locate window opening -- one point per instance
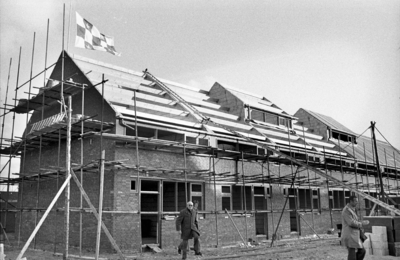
(203, 141)
(149, 185)
(225, 145)
(197, 195)
(226, 197)
(342, 137)
(338, 198)
(174, 198)
(248, 148)
(238, 198)
(142, 132)
(260, 203)
(191, 140)
(196, 187)
(270, 118)
(259, 198)
(133, 185)
(170, 136)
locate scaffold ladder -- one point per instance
(205, 120)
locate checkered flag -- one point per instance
(89, 37)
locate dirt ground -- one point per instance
(327, 247)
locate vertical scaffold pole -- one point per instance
(99, 220)
(57, 184)
(355, 172)
(270, 190)
(68, 151)
(27, 116)
(1, 146)
(295, 191)
(387, 175)
(375, 174)
(215, 197)
(395, 168)
(341, 170)
(41, 135)
(185, 172)
(67, 175)
(366, 169)
(378, 167)
(81, 172)
(327, 186)
(244, 197)
(138, 186)
(20, 187)
(309, 184)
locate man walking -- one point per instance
(351, 230)
(188, 227)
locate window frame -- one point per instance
(190, 194)
(226, 195)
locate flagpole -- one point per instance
(68, 151)
(69, 23)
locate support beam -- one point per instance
(108, 234)
(66, 182)
(99, 221)
(233, 222)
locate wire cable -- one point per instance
(387, 141)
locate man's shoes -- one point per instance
(179, 251)
(199, 253)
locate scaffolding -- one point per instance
(50, 131)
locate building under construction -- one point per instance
(136, 148)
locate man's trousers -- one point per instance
(184, 244)
(356, 256)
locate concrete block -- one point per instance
(380, 244)
(378, 237)
(380, 252)
(378, 229)
(396, 251)
(368, 251)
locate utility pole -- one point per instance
(377, 161)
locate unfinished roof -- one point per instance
(136, 97)
(330, 122)
(254, 101)
(363, 150)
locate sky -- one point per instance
(338, 58)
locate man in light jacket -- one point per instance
(351, 231)
(188, 227)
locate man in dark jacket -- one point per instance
(188, 227)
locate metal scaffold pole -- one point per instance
(81, 173)
(244, 197)
(67, 176)
(327, 187)
(99, 221)
(215, 198)
(378, 167)
(1, 147)
(20, 187)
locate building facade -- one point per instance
(159, 154)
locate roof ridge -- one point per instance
(242, 91)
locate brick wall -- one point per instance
(313, 124)
(125, 227)
(226, 99)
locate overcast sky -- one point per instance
(340, 58)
